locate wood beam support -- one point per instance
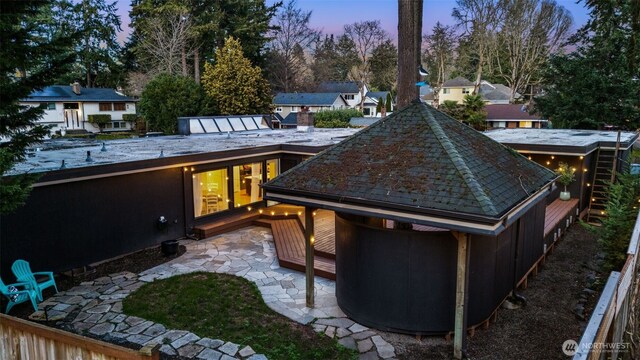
(309, 241)
(462, 276)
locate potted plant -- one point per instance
(567, 176)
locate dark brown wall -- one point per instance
(74, 224)
(405, 280)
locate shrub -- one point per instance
(131, 118)
(616, 229)
(99, 119)
(167, 97)
(335, 118)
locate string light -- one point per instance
(299, 213)
(185, 168)
(552, 157)
(248, 208)
(585, 170)
(548, 162)
(273, 213)
(581, 157)
(286, 214)
(529, 157)
(588, 184)
(314, 213)
(260, 211)
(192, 168)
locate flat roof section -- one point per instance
(561, 141)
(48, 155)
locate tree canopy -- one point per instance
(598, 84)
(32, 57)
(168, 97)
(234, 85)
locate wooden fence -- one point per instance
(24, 340)
(603, 337)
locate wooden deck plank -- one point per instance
(557, 212)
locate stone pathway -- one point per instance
(97, 305)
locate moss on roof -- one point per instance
(419, 158)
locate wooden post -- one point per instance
(309, 241)
(460, 329)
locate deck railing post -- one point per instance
(460, 329)
(309, 241)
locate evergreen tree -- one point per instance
(32, 57)
(384, 66)
(324, 60)
(98, 49)
(598, 83)
(235, 86)
(388, 102)
(168, 97)
(347, 58)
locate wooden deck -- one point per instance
(557, 212)
(288, 232)
(288, 236)
(227, 224)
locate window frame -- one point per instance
(104, 104)
(122, 106)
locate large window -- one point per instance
(246, 183)
(104, 106)
(119, 106)
(445, 91)
(49, 106)
(210, 192)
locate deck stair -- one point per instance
(598, 199)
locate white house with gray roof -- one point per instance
(68, 107)
(350, 91)
(287, 105)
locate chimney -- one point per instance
(304, 120)
(75, 87)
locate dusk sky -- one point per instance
(331, 15)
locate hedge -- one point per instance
(99, 119)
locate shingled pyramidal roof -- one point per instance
(418, 159)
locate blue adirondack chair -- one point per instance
(16, 296)
(23, 273)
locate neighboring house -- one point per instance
(371, 103)
(68, 107)
(513, 116)
(456, 89)
(350, 91)
(496, 93)
(290, 103)
(288, 122)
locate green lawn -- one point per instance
(229, 308)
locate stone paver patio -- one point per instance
(95, 307)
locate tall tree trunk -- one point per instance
(409, 38)
(196, 65)
(183, 55)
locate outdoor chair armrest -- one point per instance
(44, 273)
(23, 284)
